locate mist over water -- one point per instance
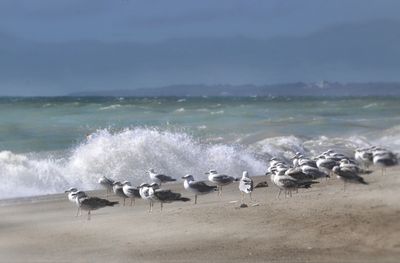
(44, 147)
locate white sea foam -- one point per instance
(180, 110)
(111, 107)
(127, 154)
(217, 112)
(123, 155)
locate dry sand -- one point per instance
(323, 224)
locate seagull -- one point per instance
(130, 191)
(164, 196)
(118, 190)
(220, 179)
(144, 189)
(345, 163)
(348, 176)
(305, 161)
(363, 157)
(197, 187)
(288, 183)
(326, 164)
(313, 172)
(159, 178)
(72, 197)
(246, 185)
(91, 203)
(384, 159)
(107, 183)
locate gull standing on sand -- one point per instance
(144, 189)
(197, 187)
(107, 183)
(130, 191)
(313, 172)
(364, 157)
(72, 197)
(164, 196)
(288, 183)
(91, 203)
(384, 158)
(159, 178)
(220, 180)
(246, 185)
(348, 176)
(118, 190)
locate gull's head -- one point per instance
(188, 177)
(117, 183)
(143, 185)
(78, 194)
(212, 172)
(336, 169)
(126, 183)
(151, 170)
(245, 174)
(71, 190)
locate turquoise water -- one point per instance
(49, 144)
(46, 124)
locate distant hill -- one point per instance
(354, 52)
(323, 88)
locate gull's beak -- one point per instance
(67, 191)
(267, 173)
(183, 177)
(206, 173)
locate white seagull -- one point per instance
(130, 191)
(164, 196)
(118, 190)
(72, 197)
(197, 187)
(246, 185)
(107, 183)
(348, 176)
(144, 189)
(91, 203)
(159, 178)
(220, 179)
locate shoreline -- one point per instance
(322, 224)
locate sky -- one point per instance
(33, 33)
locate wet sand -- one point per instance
(322, 224)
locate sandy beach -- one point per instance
(323, 224)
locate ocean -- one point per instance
(50, 144)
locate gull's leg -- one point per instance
(88, 215)
(162, 204)
(134, 201)
(280, 190)
(195, 199)
(242, 197)
(131, 201)
(124, 201)
(77, 211)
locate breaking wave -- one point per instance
(127, 154)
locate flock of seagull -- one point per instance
(302, 172)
